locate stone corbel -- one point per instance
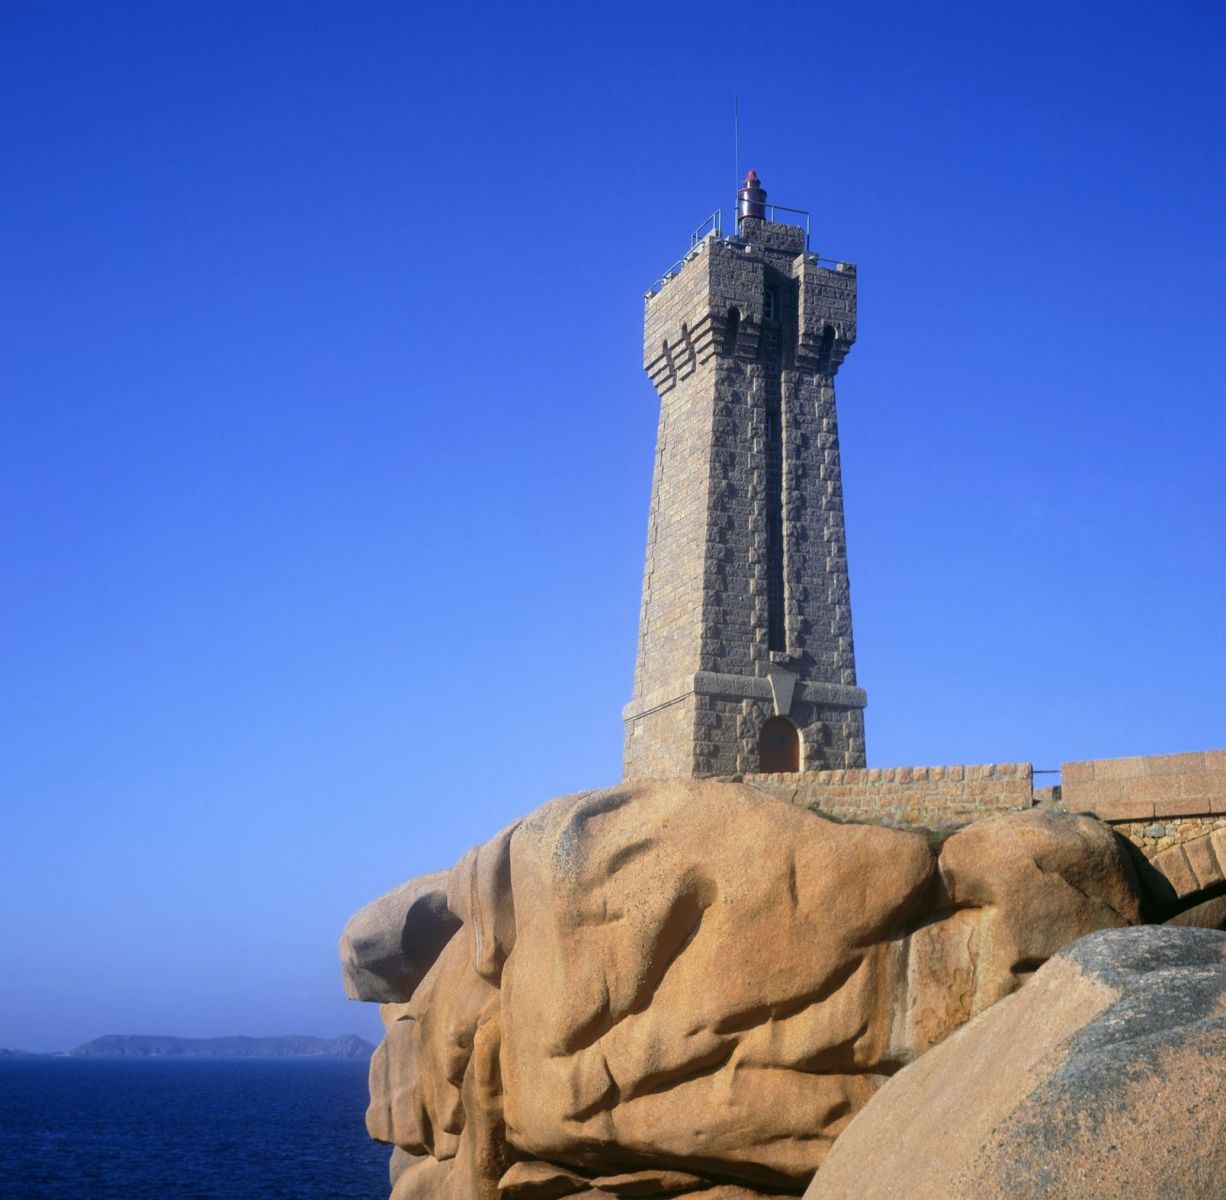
(783, 687)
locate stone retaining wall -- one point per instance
(1145, 788)
(1154, 836)
(930, 796)
(1155, 801)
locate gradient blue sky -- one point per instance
(326, 449)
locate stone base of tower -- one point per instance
(659, 743)
(715, 727)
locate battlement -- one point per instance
(726, 291)
(785, 230)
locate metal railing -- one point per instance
(712, 227)
(773, 209)
(671, 273)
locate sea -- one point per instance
(199, 1129)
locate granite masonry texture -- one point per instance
(929, 796)
(1155, 836)
(746, 567)
(1147, 788)
(1158, 803)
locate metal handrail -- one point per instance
(713, 225)
(772, 209)
(671, 273)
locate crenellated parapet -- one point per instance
(728, 291)
(826, 321)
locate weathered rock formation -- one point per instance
(1104, 1077)
(689, 988)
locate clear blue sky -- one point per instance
(326, 448)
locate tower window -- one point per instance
(734, 327)
(825, 349)
(776, 636)
(770, 305)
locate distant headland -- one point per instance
(136, 1045)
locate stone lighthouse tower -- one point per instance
(745, 657)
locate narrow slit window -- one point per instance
(776, 637)
(825, 349)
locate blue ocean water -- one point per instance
(200, 1129)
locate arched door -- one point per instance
(779, 746)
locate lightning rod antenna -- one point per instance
(736, 142)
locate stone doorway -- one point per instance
(778, 746)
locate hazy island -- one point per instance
(136, 1045)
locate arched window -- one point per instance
(770, 305)
(778, 746)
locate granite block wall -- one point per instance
(1146, 788)
(925, 796)
(746, 565)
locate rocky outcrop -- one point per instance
(688, 988)
(1102, 1078)
(389, 945)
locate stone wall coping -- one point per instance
(1123, 808)
(1145, 787)
(956, 773)
(1143, 766)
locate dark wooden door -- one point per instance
(779, 746)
